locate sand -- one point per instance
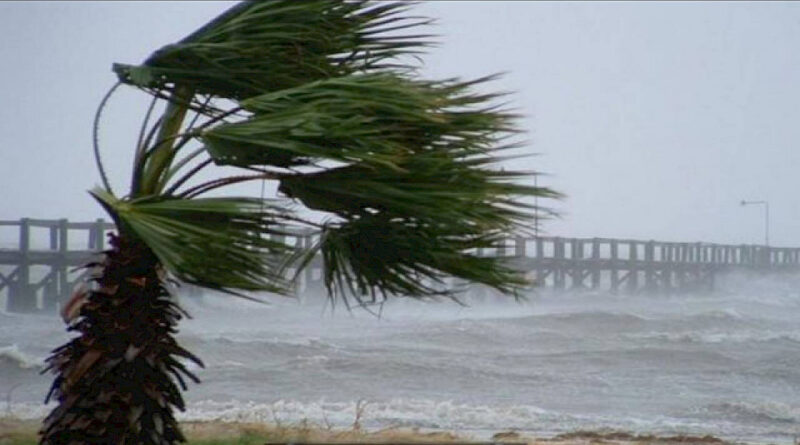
(16, 431)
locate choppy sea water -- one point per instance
(726, 363)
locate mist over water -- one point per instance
(725, 363)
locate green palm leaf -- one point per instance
(419, 190)
(373, 257)
(374, 118)
(443, 190)
(260, 46)
(224, 244)
(403, 233)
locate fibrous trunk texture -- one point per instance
(116, 382)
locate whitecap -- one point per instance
(19, 358)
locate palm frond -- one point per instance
(375, 118)
(419, 189)
(373, 257)
(443, 190)
(225, 244)
(402, 230)
(269, 45)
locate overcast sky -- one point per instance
(655, 119)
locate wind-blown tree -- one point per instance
(320, 97)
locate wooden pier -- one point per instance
(634, 266)
(39, 277)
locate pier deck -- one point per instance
(40, 277)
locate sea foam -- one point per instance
(13, 355)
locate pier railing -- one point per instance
(37, 272)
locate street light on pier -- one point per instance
(536, 207)
(766, 217)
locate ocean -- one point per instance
(726, 363)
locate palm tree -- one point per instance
(319, 96)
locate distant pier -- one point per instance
(41, 277)
(635, 266)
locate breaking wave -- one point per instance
(11, 356)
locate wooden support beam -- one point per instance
(575, 267)
(99, 231)
(595, 267)
(539, 268)
(20, 297)
(649, 266)
(61, 263)
(633, 266)
(614, 260)
(520, 245)
(559, 263)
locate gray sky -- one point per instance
(655, 119)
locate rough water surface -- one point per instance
(725, 363)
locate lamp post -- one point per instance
(536, 207)
(766, 217)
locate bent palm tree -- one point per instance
(315, 96)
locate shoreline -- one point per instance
(23, 431)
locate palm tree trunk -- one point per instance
(116, 382)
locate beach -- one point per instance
(18, 432)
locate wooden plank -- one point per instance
(41, 222)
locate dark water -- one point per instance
(726, 364)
